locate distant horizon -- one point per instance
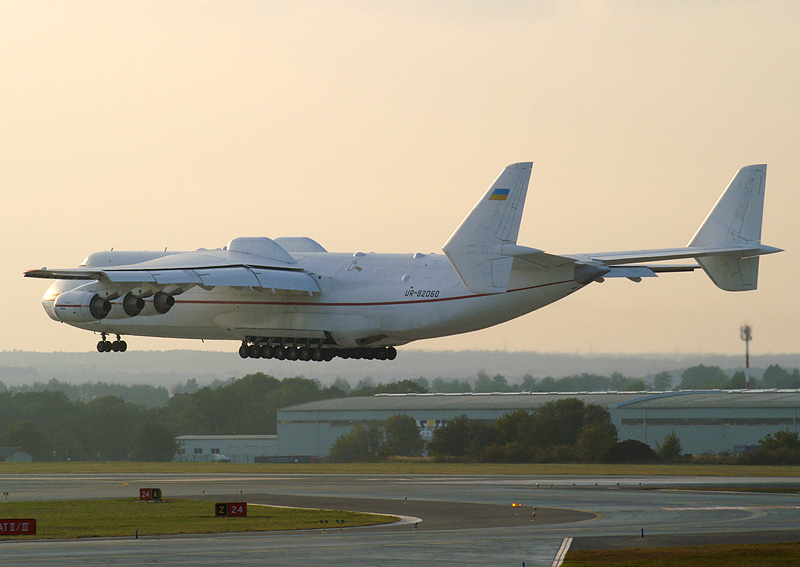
(401, 350)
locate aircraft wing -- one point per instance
(206, 276)
(259, 263)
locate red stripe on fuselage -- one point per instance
(361, 304)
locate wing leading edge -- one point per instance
(258, 263)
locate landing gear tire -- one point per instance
(280, 353)
(304, 354)
(244, 350)
(292, 353)
(391, 353)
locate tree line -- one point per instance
(57, 421)
(51, 426)
(567, 430)
(562, 431)
(698, 377)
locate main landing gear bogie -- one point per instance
(314, 353)
(104, 345)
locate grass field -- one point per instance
(402, 467)
(766, 555)
(105, 518)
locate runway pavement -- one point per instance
(466, 520)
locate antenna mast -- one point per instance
(746, 333)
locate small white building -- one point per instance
(225, 448)
(14, 455)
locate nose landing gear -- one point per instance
(107, 346)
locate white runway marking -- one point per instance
(562, 552)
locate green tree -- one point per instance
(402, 437)
(560, 422)
(547, 384)
(488, 384)
(631, 451)
(450, 386)
(595, 441)
(29, 436)
(779, 448)
(461, 437)
(528, 384)
(342, 384)
(781, 440)
(662, 381)
(670, 448)
(635, 385)
(776, 377)
(361, 443)
(703, 377)
(739, 381)
(513, 427)
(154, 442)
(108, 426)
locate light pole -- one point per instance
(746, 333)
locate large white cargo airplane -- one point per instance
(289, 298)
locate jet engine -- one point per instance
(132, 305)
(81, 307)
(163, 302)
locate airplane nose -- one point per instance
(49, 302)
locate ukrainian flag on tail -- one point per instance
(499, 195)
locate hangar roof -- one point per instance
(685, 399)
(689, 399)
(229, 437)
(469, 401)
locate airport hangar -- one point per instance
(705, 421)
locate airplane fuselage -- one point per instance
(365, 299)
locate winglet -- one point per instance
(473, 249)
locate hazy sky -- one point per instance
(375, 126)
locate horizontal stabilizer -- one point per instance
(732, 274)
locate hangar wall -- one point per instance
(225, 448)
(708, 421)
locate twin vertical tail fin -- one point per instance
(727, 245)
(475, 248)
(735, 221)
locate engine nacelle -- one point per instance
(81, 307)
(132, 305)
(163, 302)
